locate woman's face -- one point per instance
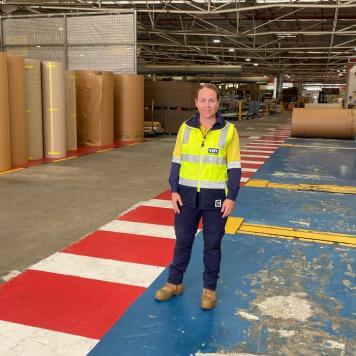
(207, 103)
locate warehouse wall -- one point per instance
(99, 42)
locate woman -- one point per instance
(204, 179)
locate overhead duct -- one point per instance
(214, 79)
(259, 80)
(189, 69)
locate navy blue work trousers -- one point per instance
(186, 225)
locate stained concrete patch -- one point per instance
(286, 307)
(224, 354)
(296, 313)
(246, 315)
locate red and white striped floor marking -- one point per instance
(65, 303)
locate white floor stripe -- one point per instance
(17, 339)
(158, 203)
(264, 147)
(255, 156)
(249, 169)
(269, 144)
(137, 228)
(98, 268)
(257, 163)
(257, 151)
(244, 179)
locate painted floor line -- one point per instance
(158, 203)
(100, 269)
(252, 162)
(253, 155)
(306, 235)
(341, 189)
(140, 228)
(18, 339)
(256, 151)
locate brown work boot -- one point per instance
(208, 299)
(168, 291)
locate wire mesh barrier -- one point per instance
(100, 42)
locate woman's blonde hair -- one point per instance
(208, 86)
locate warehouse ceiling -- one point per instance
(306, 40)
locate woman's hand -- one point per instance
(227, 207)
(176, 202)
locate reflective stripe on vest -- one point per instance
(205, 159)
(203, 184)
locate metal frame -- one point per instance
(279, 37)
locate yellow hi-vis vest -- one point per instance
(203, 159)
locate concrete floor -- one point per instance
(47, 207)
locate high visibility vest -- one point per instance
(203, 159)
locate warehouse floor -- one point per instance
(277, 294)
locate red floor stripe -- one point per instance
(251, 165)
(247, 174)
(150, 215)
(67, 304)
(166, 195)
(125, 247)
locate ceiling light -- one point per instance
(248, 59)
(231, 49)
(216, 41)
(255, 64)
(38, 46)
(81, 55)
(60, 29)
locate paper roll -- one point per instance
(53, 98)
(34, 109)
(129, 107)
(5, 133)
(71, 111)
(324, 123)
(95, 108)
(17, 105)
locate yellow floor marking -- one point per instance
(233, 224)
(64, 159)
(104, 150)
(316, 146)
(289, 233)
(12, 170)
(257, 183)
(344, 189)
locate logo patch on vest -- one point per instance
(214, 151)
(218, 203)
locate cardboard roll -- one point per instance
(17, 106)
(129, 107)
(34, 108)
(5, 144)
(95, 107)
(53, 94)
(71, 111)
(324, 123)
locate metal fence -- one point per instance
(98, 42)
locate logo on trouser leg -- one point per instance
(218, 203)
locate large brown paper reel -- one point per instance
(129, 107)
(95, 107)
(53, 96)
(324, 123)
(17, 105)
(71, 111)
(5, 145)
(34, 109)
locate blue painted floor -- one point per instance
(330, 163)
(275, 296)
